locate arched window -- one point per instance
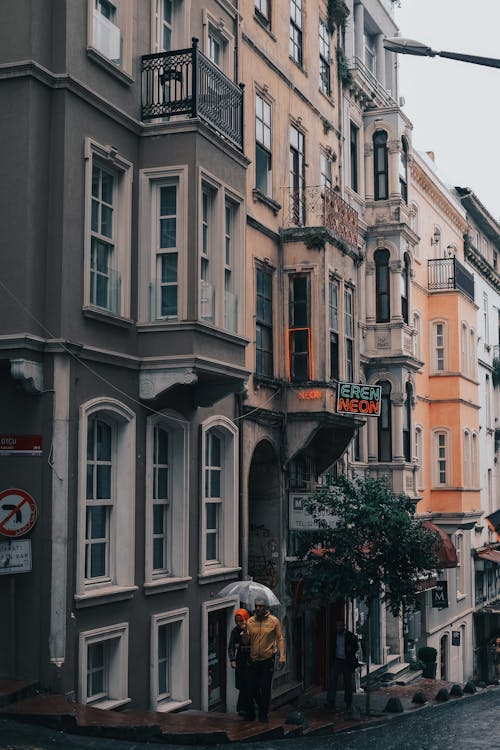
(403, 169)
(382, 286)
(407, 423)
(405, 288)
(380, 166)
(384, 424)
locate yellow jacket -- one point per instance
(265, 638)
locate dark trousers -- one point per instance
(340, 666)
(260, 679)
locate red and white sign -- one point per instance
(17, 512)
(20, 445)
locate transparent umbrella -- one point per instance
(248, 591)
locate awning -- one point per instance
(489, 554)
(445, 549)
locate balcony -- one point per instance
(321, 206)
(449, 273)
(367, 86)
(185, 82)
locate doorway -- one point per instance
(443, 657)
(217, 645)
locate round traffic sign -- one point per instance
(17, 512)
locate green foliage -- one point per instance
(337, 15)
(372, 545)
(427, 654)
(342, 67)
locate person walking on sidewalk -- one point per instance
(239, 657)
(264, 636)
(344, 662)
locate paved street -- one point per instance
(471, 724)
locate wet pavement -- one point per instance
(468, 723)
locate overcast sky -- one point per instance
(455, 106)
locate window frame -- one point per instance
(295, 46)
(442, 463)
(262, 10)
(349, 334)
(228, 534)
(334, 326)
(325, 83)
(106, 158)
(382, 290)
(297, 174)
(116, 666)
(380, 165)
(264, 324)
(263, 144)
(216, 31)
(403, 169)
(354, 156)
(460, 569)
(439, 346)
(179, 694)
(120, 579)
(122, 21)
(384, 424)
(176, 571)
(299, 327)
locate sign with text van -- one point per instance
(355, 398)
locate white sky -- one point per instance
(455, 106)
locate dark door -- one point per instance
(217, 659)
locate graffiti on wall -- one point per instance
(263, 555)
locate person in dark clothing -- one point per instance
(344, 662)
(239, 656)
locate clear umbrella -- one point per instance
(248, 591)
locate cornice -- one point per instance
(438, 197)
(482, 266)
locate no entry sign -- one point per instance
(17, 512)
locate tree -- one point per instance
(372, 547)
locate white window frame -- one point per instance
(116, 668)
(474, 462)
(460, 569)
(441, 453)
(211, 243)
(437, 345)
(120, 581)
(215, 29)
(419, 455)
(325, 40)
(119, 32)
(228, 516)
(296, 32)
(181, 10)
(466, 459)
(150, 183)
(178, 621)
(107, 158)
(264, 138)
(349, 318)
(175, 574)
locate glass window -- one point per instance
(324, 58)
(349, 334)
(300, 331)
(403, 170)
(104, 279)
(213, 495)
(439, 346)
(382, 286)
(381, 165)
(296, 31)
(99, 500)
(333, 309)
(264, 323)
(354, 131)
(407, 423)
(263, 159)
(384, 423)
(405, 288)
(297, 175)
(262, 11)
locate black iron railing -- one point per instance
(186, 82)
(449, 273)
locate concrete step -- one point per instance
(395, 670)
(12, 691)
(413, 675)
(285, 691)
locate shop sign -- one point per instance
(298, 517)
(440, 595)
(353, 398)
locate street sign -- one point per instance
(15, 556)
(20, 445)
(17, 512)
(353, 398)
(298, 517)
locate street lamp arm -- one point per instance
(412, 47)
(490, 62)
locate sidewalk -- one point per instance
(199, 728)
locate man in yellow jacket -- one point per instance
(263, 633)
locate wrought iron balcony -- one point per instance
(449, 273)
(186, 82)
(321, 206)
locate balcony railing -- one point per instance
(369, 78)
(186, 82)
(321, 206)
(449, 273)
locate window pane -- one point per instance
(158, 519)
(158, 554)
(211, 547)
(103, 442)
(103, 489)
(162, 483)
(211, 516)
(215, 483)
(96, 527)
(98, 560)
(169, 268)
(168, 232)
